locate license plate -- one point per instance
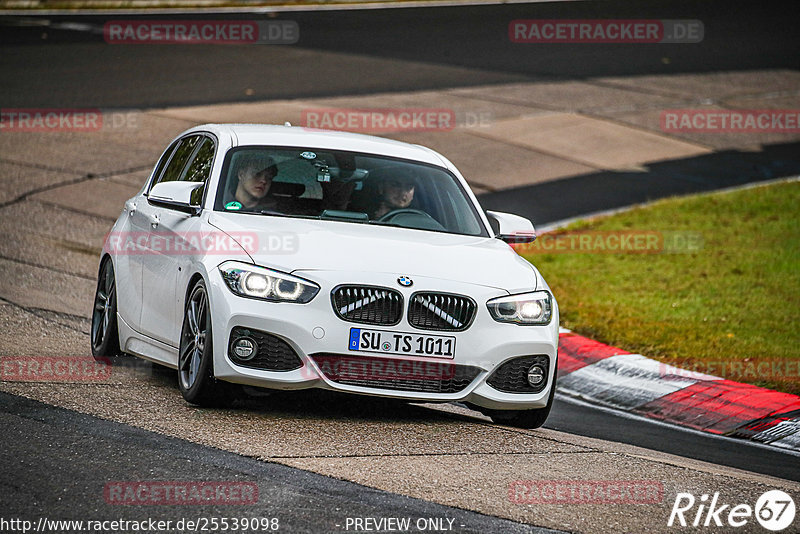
(404, 343)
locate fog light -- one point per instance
(535, 375)
(245, 349)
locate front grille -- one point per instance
(441, 311)
(512, 376)
(423, 376)
(368, 304)
(273, 353)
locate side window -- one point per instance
(200, 169)
(163, 161)
(179, 159)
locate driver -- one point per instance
(394, 192)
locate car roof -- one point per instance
(294, 136)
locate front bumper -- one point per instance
(314, 329)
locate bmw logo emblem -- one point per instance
(405, 281)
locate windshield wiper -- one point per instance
(289, 215)
(276, 213)
(341, 215)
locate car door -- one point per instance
(129, 245)
(173, 236)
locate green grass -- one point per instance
(736, 299)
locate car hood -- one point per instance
(289, 245)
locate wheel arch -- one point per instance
(198, 274)
(103, 257)
(193, 282)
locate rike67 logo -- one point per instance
(774, 510)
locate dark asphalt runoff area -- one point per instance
(353, 52)
(463, 45)
(56, 464)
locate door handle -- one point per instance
(155, 220)
(131, 208)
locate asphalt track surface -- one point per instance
(353, 52)
(462, 47)
(83, 452)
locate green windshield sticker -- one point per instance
(233, 206)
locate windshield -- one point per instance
(345, 186)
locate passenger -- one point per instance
(255, 179)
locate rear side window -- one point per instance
(164, 160)
(200, 169)
(180, 157)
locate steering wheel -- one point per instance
(429, 222)
(402, 211)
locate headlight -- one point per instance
(527, 308)
(261, 283)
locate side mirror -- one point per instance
(176, 195)
(513, 228)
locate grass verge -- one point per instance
(709, 283)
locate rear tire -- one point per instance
(196, 379)
(104, 333)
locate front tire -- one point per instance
(104, 332)
(527, 418)
(196, 379)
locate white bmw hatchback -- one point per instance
(286, 258)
